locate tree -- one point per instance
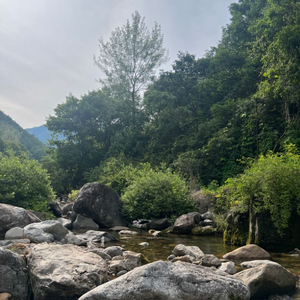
(130, 57)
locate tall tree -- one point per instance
(130, 57)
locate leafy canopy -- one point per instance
(23, 182)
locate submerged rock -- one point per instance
(171, 281)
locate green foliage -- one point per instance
(23, 182)
(72, 196)
(129, 59)
(156, 194)
(271, 183)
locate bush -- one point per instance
(154, 194)
(24, 183)
(270, 184)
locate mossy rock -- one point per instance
(203, 230)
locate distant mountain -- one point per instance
(13, 136)
(42, 133)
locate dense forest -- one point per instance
(206, 120)
(202, 117)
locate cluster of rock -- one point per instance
(96, 206)
(195, 223)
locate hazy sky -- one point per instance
(47, 46)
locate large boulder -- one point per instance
(267, 279)
(248, 252)
(45, 228)
(185, 223)
(100, 203)
(171, 281)
(13, 275)
(64, 271)
(13, 216)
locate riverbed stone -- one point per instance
(82, 222)
(256, 263)
(209, 260)
(55, 208)
(159, 224)
(267, 279)
(193, 251)
(185, 223)
(118, 228)
(53, 227)
(37, 235)
(114, 251)
(66, 208)
(13, 275)
(65, 222)
(14, 233)
(128, 232)
(5, 296)
(13, 216)
(248, 252)
(71, 238)
(132, 260)
(97, 236)
(203, 230)
(228, 267)
(64, 271)
(100, 203)
(171, 281)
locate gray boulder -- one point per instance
(193, 251)
(82, 222)
(36, 235)
(13, 275)
(66, 208)
(114, 251)
(13, 216)
(267, 279)
(228, 267)
(14, 233)
(170, 281)
(97, 236)
(128, 232)
(65, 222)
(185, 223)
(256, 263)
(55, 209)
(64, 271)
(159, 224)
(71, 238)
(52, 227)
(248, 252)
(100, 203)
(209, 260)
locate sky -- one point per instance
(47, 46)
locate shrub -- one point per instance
(72, 196)
(155, 194)
(271, 184)
(23, 182)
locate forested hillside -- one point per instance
(201, 118)
(14, 137)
